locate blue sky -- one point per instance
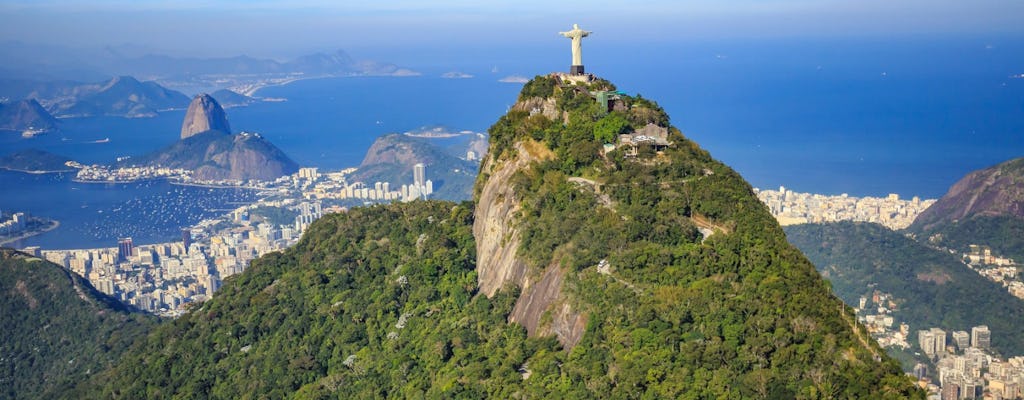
(276, 28)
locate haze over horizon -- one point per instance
(286, 29)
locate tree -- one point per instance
(607, 129)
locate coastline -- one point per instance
(76, 180)
(36, 172)
(215, 186)
(54, 224)
(251, 90)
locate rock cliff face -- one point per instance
(997, 191)
(497, 239)
(498, 242)
(204, 114)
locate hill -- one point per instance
(932, 288)
(984, 207)
(58, 330)
(215, 155)
(212, 153)
(122, 96)
(391, 159)
(35, 161)
(597, 260)
(25, 115)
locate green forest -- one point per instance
(703, 298)
(933, 288)
(1004, 234)
(58, 331)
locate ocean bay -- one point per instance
(907, 118)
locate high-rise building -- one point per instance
(940, 341)
(124, 248)
(962, 339)
(920, 370)
(981, 337)
(972, 389)
(950, 392)
(186, 238)
(926, 340)
(419, 175)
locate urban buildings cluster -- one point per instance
(335, 187)
(15, 224)
(164, 278)
(875, 312)
(1001, 270)
(791, 208)
(964, 363)
(965, 366)
(100, 173)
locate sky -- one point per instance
(285, 29)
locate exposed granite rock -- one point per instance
(497, 242)
(204, 114)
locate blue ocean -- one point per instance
(863, 117)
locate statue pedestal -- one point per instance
(576, 70)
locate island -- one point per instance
(34, 161)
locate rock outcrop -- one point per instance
(497, 238)
(212, 153)
(996, 191)
(204, 114)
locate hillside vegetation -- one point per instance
(932, 288)
(654, 275)
(58, 331)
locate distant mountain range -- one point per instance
(336, 63)
(122, 96)
(40, 63)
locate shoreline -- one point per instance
(252, 91)
(54, 224)
(36, 172)
(76, 180)
(212, 185)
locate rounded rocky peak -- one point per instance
(204, 114)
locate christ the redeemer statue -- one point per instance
(577, 35)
